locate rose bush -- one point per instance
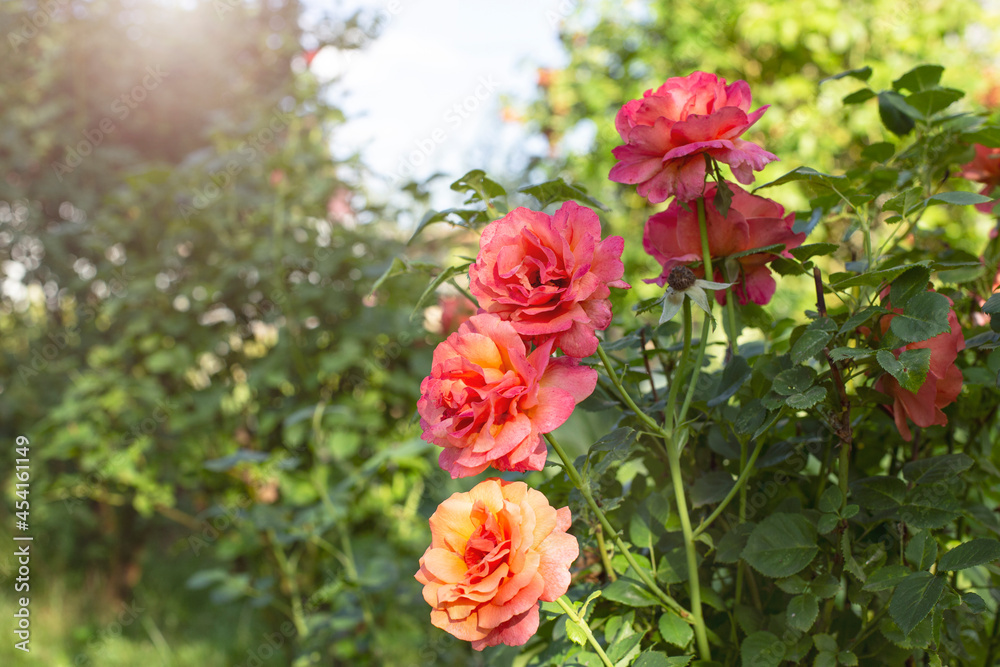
(747, 507)
(495, 552)
(673, 238)
(669, 132)
(488, 399)
(549, 275)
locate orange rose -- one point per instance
(495, 552)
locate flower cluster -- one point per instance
(542, 282)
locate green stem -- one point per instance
(691, 552)
(649, 421)
(288, 577)
(844, 464)
(731, 316)
(678, 376)
(746, 469)
(578, 482)
(568, 608)
(693, 383)
(706, 253)
(605, 559)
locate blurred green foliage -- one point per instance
(219, 412)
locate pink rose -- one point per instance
(673, 238)
(488, 402)
(985, 169)
(666, 132)
(941, 388)
(549, 275)
(495, 552)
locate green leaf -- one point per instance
(439, 280)
(925, 316)
(624, 650)
(478, 184)
(674, 630)
(841, 353)
(825, 643)
(908, 284)
(910, 369)
(397, 267)
(781, 545)
(959, 198)
(975, 603)
(615, 447)
(921, 77)
(809, 344)
(711, 487)
(988, 135)
(826, 523)
(831, 500)
(896, 114)
(872, 278)
(992, 305)
(794, 380)
(660, 659)
(792, 585)
(879, 151)
(937, 468)
(802, 611)
(847, 659)
(733, 542)
(575, 632)
(922, 550)
(736, 373)
(231, 461)
(807, 174)
(824, 586)
(629, 593)
(929, 102)
(979, 551)
(559, 190)
(914, 598)
(929, 507)
(859, 318)
(860, 73)
(806, 399)
(804, 252)
(859, 96)
(878, 493)
(825, 659)
(762, 649)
